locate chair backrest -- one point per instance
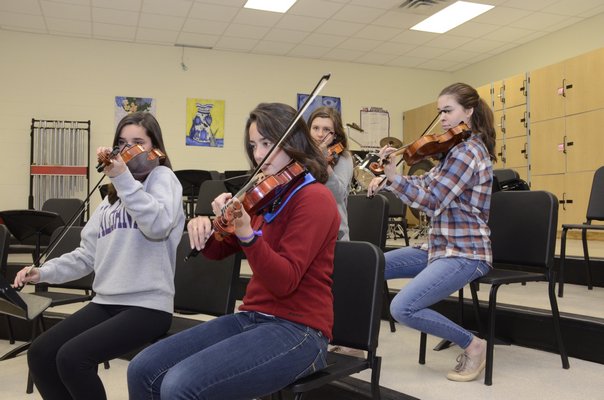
(69, 242)
(235, 173)
(67, 209)
(595, 207)
(4, 245)
(207, 193)
(396, 207)
(523, 228)
(368, 219)
(358, 284)
(509, 179)
(202, 285)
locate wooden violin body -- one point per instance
(427, 146)
(128, 153)
(258, 197)
(333, 153)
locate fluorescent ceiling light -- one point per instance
(279, 6)
(452, 16)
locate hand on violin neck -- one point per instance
(114, 164)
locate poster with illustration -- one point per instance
(319, 101)
(205, 123)
(125, 105)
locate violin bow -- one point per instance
(428, 129)
(320, 85)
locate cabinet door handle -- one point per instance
(563, 201)
(523, 88)
(570, 143)
(523, 119)
(569, 86)
(502, 123)
(564, 144)
(523, 151)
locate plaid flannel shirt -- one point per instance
(456, 196)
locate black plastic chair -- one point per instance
(203, 286)
(368, 222)
(509, 179)
(595, 212)
(70, 210)
(358, 278)
(523, 236)
(208, 191)
(69, 241)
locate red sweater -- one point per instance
(292, 261)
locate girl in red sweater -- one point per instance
(284, 325)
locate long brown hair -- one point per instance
(272, 120)
(482, 120)
(148, 122)
(335, 117)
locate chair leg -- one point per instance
(387, 306)
(586, 256)
(556, 320)
(488, 374)
(11, 334)
(422, 347)
(562, 259)
(375, 377)
(474, 290)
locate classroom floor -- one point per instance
(519, 373)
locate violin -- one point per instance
(128, 153)
(333, 153)
(257, 198)
(426, 146)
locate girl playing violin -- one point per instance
(285, 321)
(130, 244)
(456, 195)
(327, 130)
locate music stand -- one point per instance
(21, 305)
(191, 180)
(235, 183)
(24, 224)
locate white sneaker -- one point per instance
(468, 368)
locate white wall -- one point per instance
(51, 77)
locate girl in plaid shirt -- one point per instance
(456, 196)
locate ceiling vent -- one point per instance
(417, 3)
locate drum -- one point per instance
(362, 174)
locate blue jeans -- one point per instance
(432, 282)
(236, 356)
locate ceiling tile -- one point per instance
(414, 37)
(110, 16)
(286, 35)
(406, 61)
(357, 14)
(377, 32)
(376, 58)
(508, 33)
(448, 41)
(437, 65)
(65, 11)
(427, 52)
(394, 48)
(340, 27)
(176, 8)
(573, 8)
(246, 31)
(501, 16)
(320, 39)
(458, 55)
(21, 6)
(385, 4)
(156, 21)
(128, 5)
(315, 8)
(473, 29)
(359, 44)
(205, 26)
(213, 12)
(300, 23)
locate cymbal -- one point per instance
(391, 141)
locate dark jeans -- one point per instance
(64, 360)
